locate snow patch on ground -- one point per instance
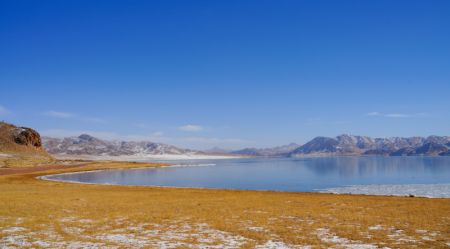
(376, 227)
(270, 244)
(6, 155)
(15, 240)
(422, 190)
(179, 234)
(172, 235)
(399, 236)
(256, 229)
(13, 229)
(125, 239)
(325, 236)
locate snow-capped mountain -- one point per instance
(343, 145)
(360, 145)
(89, 145)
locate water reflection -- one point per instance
(299, 174)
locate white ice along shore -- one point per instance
(420, 190)
(144, 158)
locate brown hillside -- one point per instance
(20, 147)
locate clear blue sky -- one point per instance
(226, 73)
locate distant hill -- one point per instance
(88, 145)
(26, 141)
(359, 145)
(349, 145)
(283, 150)
(217, 150)
(21, 146)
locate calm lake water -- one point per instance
(281, 174)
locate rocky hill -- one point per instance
(19, 139)
(360, 145)
(89, 145)
(21, 146)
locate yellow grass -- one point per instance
(49, 214)
(16, 160)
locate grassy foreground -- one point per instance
(43, 214)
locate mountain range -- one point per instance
(343, 145)
(349, 145)
(92, 146)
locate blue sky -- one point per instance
(226, 73)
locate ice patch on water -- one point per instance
(193, 165)
(422, 190)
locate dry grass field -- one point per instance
(44, 214)
(22, 160)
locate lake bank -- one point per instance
(147, 157)
(403, 176)
(54, 214)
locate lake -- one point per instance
(282, 174)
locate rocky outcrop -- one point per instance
(21, 147)
(26, 136)
(15, 138)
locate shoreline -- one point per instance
(147, 158)
(400, 190)
(92, 215)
